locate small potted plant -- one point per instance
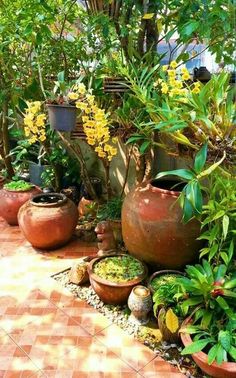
(166, 306)
(113, 277)
(210, 306)
(111, 211)
(61, 107)
(13, 195)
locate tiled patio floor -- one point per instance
(46, 332)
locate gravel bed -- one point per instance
(148, 335)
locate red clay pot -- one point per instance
(12, 200)
(48, 225)
(152, 227)
(225, 370)
(112, 292)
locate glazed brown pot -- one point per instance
(225, 370)
(152, 226)
(48, 225)
(12, 200)
(112, 292)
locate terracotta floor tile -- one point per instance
(158, 368)
(126, 347)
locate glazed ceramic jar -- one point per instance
(48, 220)
(152, 226)
(12, 200)
(140, 304)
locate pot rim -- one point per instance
(187, 340)
(173, 193)
(116, 284)
(60, 202)
(162, 273)
(61, 106)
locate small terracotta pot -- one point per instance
(162, 273)
(112, 292)
(12, 200)
(225, 370)
(87, 207)
(167, 335)
(48, 225)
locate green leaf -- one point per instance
(222, 302)
(200, 159)
(209, 170)
(225, 223)
(218, 215)
(144, 146)
(189, 28)
(224, 257)
(225, 339)
(206, 319)
(61, 76)
(213, 251)
(212, 354)
(232, 353)
(220, 354)
(196, 346)
(182, 173)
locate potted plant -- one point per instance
(12, 196)
(210, 309)
(113, 277)
(166, 308)
(111, 211)
(61, 107)
(162, 277)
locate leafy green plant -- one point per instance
(19, 185)
(110, 210)
(219, 219)
(167, 293)
(211, 306)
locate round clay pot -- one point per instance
(140, 304)
(112, 292)
(12, 200)
(225, 370)
(50, 224)
(152, 226)
(162, 273)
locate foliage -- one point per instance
(119, 269)
(19, 185)
(219, 219)
(166, 293)
(110, 210)
(211, 304)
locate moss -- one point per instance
(118, 269)
(19, 185)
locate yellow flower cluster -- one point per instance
(173, 86)
(35, 122)
(96, 128)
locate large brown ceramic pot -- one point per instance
(112, 292)
(48, 220)
(12, 200)
(225, 370)
(152, 227)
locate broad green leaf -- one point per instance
(189, 28)
(212, 354)
(222, 302)
(206, 319)
(187, 211)
(225, 339)
(225, 223)
(232, 353)
(213, 251)
(200, 159)
(218, 215)
(196, 346)
(209, 170)
(220, 354)
(230, 284)
(182, 173)
(61, 76)
(224, 257)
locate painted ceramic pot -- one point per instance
(48, 220)
(225, 370)
(140, 304)
(12, 200)
(112, 292)
(152, 226)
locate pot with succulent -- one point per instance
(167, 293)
(210, 309)
(12, 196)
(113, 277)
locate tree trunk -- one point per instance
(5, 149)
